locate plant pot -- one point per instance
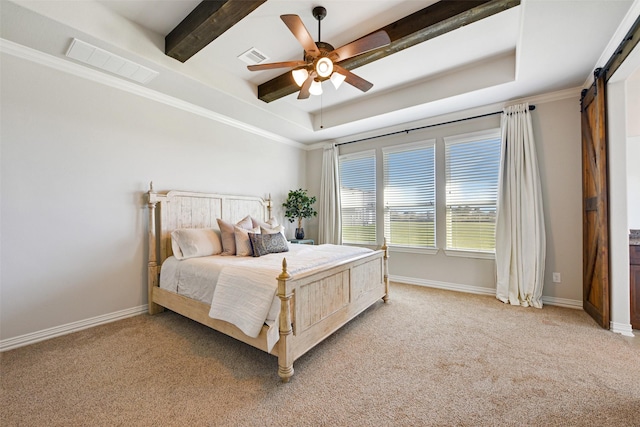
(299, 233)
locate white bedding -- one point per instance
(242, 290)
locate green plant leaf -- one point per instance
(299, 205)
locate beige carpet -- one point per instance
(429, 357)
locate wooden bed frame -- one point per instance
(313, 305)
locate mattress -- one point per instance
(242, 290)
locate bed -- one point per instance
(313, 303)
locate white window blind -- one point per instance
(410, 195)
(358, 197)
(472, 164)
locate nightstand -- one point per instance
(303, 241)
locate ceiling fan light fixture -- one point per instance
(337, 79)
(324, 67)
(316, 88)
(317, 64)
(300, 75)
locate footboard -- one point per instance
(313, 306)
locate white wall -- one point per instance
(633, 149)
(77, 158)
(633, 181)
(557, 132)
(622, 118)
(618, 224)
(558, 137)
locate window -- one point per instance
(358, 197)
(409, 195)
(472, 164)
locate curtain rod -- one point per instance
(531, 108)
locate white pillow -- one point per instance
(246, 223)
(228, 238)
(243, 244)
(269, 224)
(274, 230)
(228, 234)
(195, 242)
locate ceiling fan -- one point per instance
(321, 59)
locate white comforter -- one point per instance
(242, 290)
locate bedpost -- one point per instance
(269, 207)
(153, 256)
(384, 247)
(285, 353)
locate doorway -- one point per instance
(623, 116)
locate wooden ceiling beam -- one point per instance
(423, 25)
(204, 24)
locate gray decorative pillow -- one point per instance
(263, 244)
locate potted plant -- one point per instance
(298, 206)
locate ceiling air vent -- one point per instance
(107, 61)
(253, 57)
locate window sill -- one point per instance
(469, 254)
(362, 245)
(406, 249)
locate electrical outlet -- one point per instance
(557, 278)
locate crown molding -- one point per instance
(616, 39)
(485, 109)
(20, 51)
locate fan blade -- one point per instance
(295, 25)
(352, 79)
(287, 64)
(365, 44)
(304, 90)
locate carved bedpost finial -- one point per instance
(285, 325)
(385, 248)
(284, 275)
(152, 200)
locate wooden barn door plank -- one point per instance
(595, 204)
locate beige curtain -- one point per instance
(329, 227)
(520, 230)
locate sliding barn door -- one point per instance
(595, 203)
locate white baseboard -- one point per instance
(443, 285)
(57, 331)
(621, 328)
(34, 337)
(562, 302)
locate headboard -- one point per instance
(182, 209)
